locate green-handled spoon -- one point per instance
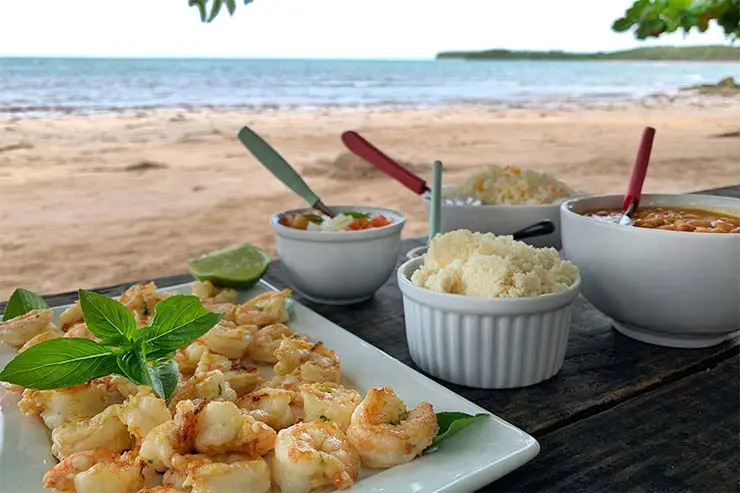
(279, 167)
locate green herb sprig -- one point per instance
(357, 215)
(451, 423)
(142, 355)
(21, 302)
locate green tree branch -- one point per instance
(652, 18)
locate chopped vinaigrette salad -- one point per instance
(345, 221)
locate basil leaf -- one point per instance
(178, 321)
(57, 363)
(132, 365)
(452, 422)
(290, 307)
(159, 356)
(314, 218)
(164, 378)
(21, 302)
(357, 215)
(105, 317)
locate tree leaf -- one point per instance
(231, 6)
(201, 4)
(164, 378)
(21, 302)
(58, 363)
(105, 317)
(621, 25)
(215, 9)
(452, 422)
(178, 321)
(132, 365)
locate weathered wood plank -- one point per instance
(682, 437)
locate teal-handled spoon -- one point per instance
(279, 167)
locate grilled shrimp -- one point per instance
(50, 332)
(210, 294)
(219, 428)
(93, 471)
(266, 341)
(157, 448)
(309, 361)
(19, 330)
(240, 377)
(264, 309)
(220, 474)
(143, 412)
(210, 386)
(80, 330)
(57, 407)
(189, 356)
(271, 406)
(103, 431)
(71, 316)
(140, 299)
(310, 455)
(385, 433)
(228, 339)
(329, 402)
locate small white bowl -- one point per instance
(485, 343)
(339, 267)
(500, 219)
(668, 288)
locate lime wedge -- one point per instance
(238, 267)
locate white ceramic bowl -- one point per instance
(500, 219)
(482, 342)
(339, 267)
(668, 288)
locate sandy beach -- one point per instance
(97, 199)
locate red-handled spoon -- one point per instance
(634, 190)
(364, 149)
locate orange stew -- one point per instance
(359, 221)
(674, 219)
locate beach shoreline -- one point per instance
(88, 200)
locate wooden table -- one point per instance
(620, 416)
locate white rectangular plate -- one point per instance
(468, 461)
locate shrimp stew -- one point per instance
(674, 219)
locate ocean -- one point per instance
(69, 85)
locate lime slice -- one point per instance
(238, 267)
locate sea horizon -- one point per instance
(92, 84)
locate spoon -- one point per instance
(537, 229)
(364, 149)
(634, 189)
(279, 167)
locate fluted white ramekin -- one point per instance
(485, 343)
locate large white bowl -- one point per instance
(500, 219)
(668, 288)
(339, 267)
(483, 342)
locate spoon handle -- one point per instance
(634, 190)
(537, 229)
(278, 166)
(383, 162)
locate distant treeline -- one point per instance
(704, 53)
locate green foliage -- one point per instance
(21, 302)
(715, 53)
(207, 15)
(652, 18)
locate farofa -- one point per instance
(488, 266)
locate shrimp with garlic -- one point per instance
(264, 309)
(228, 339)
(140, 299)
(311, 455)
(210, 386)
(19, 330)
(271, 406)
(209, 294)
(241, 378)
(385, 433)
(71, 316)
(105, 431)
(142, 412)
(329, 402)
(93, 471)
(308, 361)
(231, 473)
(266, 341)
(219, 428)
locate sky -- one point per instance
(386, 29)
